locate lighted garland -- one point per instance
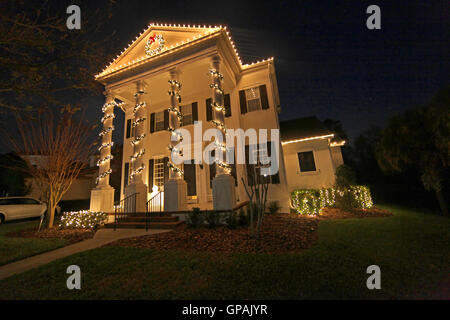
(137, 122)
(105, 145)
(104, 132)
(105, 159)
(137, 171)
(175, 92)
(220, 108)
(138, 106)
(161, 42)
(107, 115)
(103, 175)
(138, 139)
(137, 155)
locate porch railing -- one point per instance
(156, 203)
(126, 206)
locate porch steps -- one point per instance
(155, 221)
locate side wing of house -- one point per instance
(310, 156)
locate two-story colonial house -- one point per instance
(174, 76)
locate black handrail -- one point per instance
(150, 206)
(126, 205)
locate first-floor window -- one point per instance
(306, 161)
(158, 172)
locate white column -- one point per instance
(136, 183)
(140, 116)
(175, 190)
(224, 195)
(102, 197)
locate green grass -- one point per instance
(12, 249)
(412, 250)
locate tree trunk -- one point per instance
(442, 203)
(51, 213)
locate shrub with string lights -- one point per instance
(82, 220)
(310, 201)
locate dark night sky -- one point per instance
(328, 63)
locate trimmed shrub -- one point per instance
(195, 218)
(82, 220)
(232, 220)
(243, 219)
(344, 200)
(306, 202)
(361, 196)
(274, 207)
(213, 219)
(310, 201)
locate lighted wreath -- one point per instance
(154, 39)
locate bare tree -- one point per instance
(256, 190)
(55, 147)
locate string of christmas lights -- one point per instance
(139, 115)
(219, 122)
(176, 119)
(106, 134)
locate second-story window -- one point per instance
(187, 115)
(253, 99)
(159, 121)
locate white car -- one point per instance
(14, 208)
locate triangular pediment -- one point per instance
(155, 40)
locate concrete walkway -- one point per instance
(101, 237)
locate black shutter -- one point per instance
(212, 173)
(234, 173)
(166, 119)
(275, 178)
(243, 101)
(152, 123)
(166, 170)
(208, 109)
(150, 174)
(194, 111)
(128, 128)
(189, 177)
(227, 105)
(126, 171)
(212, 167)
(263, 96)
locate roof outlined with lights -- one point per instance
(159, 40)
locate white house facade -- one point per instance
(173, 76)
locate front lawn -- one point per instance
(16, 248)
(412, 250)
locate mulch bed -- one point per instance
(281, 233)
(335, 213)
(54, 233)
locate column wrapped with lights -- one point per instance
(175, 120)
(218, 118)
(105, 148)
(139, 133)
